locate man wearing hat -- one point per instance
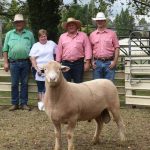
(105, 48)
(74, 50)
(16, 48)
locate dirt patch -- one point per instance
(22, 130)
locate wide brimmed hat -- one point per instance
(18, 17)
(71, 20)
(99, 16)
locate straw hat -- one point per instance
(71, 20)
(18, 17)
(99, 16)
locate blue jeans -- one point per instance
(102, 70)
(76, 71)
(19, 71)
(40, 84)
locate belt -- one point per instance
(69, 61)
(18, 60)
(104, 58)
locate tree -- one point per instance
(124, 23)
(142, 22)
(142, 7)
(44, 14)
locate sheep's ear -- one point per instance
(65, 68)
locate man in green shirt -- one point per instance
(16, 48)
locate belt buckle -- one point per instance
(103, 59)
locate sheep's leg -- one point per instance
(119, 122)
(57, 129)
(99, 126)
(70, 135)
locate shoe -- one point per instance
(13, 107)
(41, 106)
(25, 107)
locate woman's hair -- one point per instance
(41, 32)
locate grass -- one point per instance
(23, 130)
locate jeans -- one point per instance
(102, 70)
(76, 71)
(19, 71)
(40, 84)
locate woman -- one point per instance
(41, 52)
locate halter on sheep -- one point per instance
(67, 102)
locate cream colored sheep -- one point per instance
(67, 102)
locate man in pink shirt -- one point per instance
(105, 48)
(74, 50)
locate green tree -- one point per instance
(124, 23)
(142, 22)
(44, 14)
(84, 13)
(142, 7)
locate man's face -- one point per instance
(71, 27)
(101, 23)
(19, 25)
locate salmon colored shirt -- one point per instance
(104, 43)
(73, 48)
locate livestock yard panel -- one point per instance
(5, 84)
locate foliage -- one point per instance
(124, 22)
(84, 13)
(142, 6)
(44, 14)
(8, 12)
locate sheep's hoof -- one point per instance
(58, 148)
(122, 138)
(95, 141)
(71, 148)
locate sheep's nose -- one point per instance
(52, 76)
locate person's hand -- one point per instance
(94, 64)
(87, 66)
(112, 65)
(38, 70)
(6, 66)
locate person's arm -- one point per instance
(92, 61)
(6, 63)
(5, 53)
(115, 60)
(59, 51)
(33, 55)
(116, 53)
(34, 63)
(32, 39)
(88, 53)
(54, 50)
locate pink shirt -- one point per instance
(104, 43)
(72, 49)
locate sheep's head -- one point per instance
(53, 73)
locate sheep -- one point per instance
(67, 103)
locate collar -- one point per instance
(23, 31)
(105, 30)
(74, 34)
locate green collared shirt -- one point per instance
(18, 45)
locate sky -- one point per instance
(115, 9)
